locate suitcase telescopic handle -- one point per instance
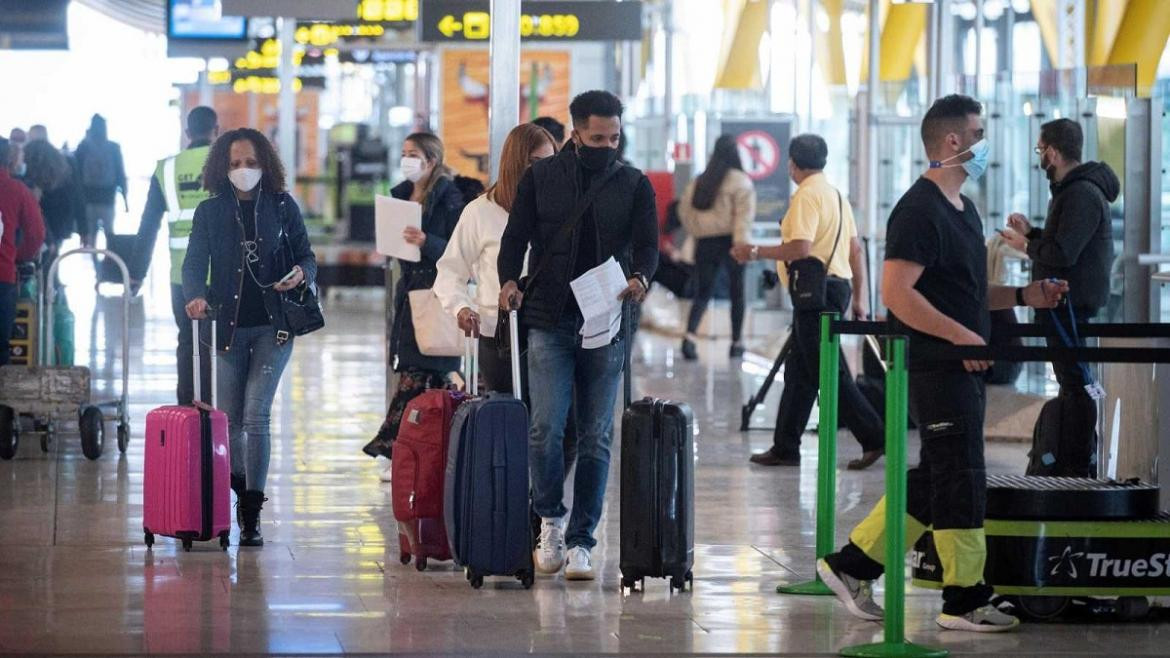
(198, 344)
(471, 364)
(514, 339)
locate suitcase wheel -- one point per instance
(225, 541)
(629, 583)
(476, 580)
(404, 558)
(9, 432)
(527, 578)
(420, 564)
(45, 442)
(93, 432)
(123, 437)
(678, 583)
(187, 543)
(149, 539)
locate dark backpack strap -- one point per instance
(568, 227)
(840, 225)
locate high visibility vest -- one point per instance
(181, 179)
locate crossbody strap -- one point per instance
(840, 225)
(567, 229)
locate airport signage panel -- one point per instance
(549, 20)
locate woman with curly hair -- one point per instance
(251, 236)
(52, 181)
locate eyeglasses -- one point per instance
(1040, 149)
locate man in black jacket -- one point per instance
(1076, 244)
(567, 240)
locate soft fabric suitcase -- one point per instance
(1064, 439)
(186, 481)
(486, 497)
(657, 493)
(123, 246)
(418, 469)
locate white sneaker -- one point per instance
(549, 555)
(987, 619)
(386, 472)
(579, 565)
(857, 595)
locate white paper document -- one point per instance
(391, 216)
(597, 293)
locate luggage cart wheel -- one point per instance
(187, 543)
(123, 437)
(9, 432)
(93, 432)
(527, 578)
(149, 539)
(225, 541)
(404, 558)
(476, 581)
(420, 564)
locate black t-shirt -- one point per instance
(925, 228)
(252, 312)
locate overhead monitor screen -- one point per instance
(203, 19)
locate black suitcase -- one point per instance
(123, 246)
(657, 493)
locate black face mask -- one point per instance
(596, 158)
(1049, 169)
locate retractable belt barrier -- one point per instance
(897, 392)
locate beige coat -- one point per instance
(731, 214)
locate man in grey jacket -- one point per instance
(1075, 244)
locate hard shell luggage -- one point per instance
(1064, 439)
(657, 493)
(186, 483)
(657, 487)
(418, 469)
(486, 497)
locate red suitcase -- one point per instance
(186, 483)
(416, 481)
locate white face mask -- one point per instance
(245, 180)
(412, 168)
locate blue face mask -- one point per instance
(980, 151)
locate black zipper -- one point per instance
(208, 475)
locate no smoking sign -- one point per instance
(759, 153)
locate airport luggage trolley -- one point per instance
(1053, 541)
(46, 393)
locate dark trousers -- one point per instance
(1075, 459)
(946, 491)
(7, 318)
(184, 353)
(712, 255)
(802, 382)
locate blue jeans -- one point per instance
(561, 372)
(249, 374)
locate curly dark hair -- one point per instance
(215, 170)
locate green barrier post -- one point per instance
(826, 456)
(894, 643)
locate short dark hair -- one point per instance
(947, 115)
(554, 128)
(1064, 135)
(201, 121)
(215, 169)
(808, 152)
(596, 103)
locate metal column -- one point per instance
(504, 66)
(286, 131)
(871, 127)
(941, 51)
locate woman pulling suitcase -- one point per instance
(252, 237)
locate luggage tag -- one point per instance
(1095, 391)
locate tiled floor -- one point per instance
(75, 576)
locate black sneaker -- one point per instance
(689, 351)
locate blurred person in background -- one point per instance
(21, 233)
(52, 181)
(103, 176)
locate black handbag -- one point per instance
(808, 277)
(504, 324)
(299, 306)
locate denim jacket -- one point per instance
(217, 242)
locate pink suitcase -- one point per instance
(187, 482)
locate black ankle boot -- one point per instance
(250, 506)
(238, 486)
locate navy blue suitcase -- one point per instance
(486, 488)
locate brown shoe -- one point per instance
(769, 458)
(866, 460)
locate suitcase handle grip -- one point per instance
(471, 364)
(514, 339)
(198, 343)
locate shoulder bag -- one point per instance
(300, 306)
(808, 277)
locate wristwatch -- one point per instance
(1020, 297)
(642, 280)
(755, 252)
